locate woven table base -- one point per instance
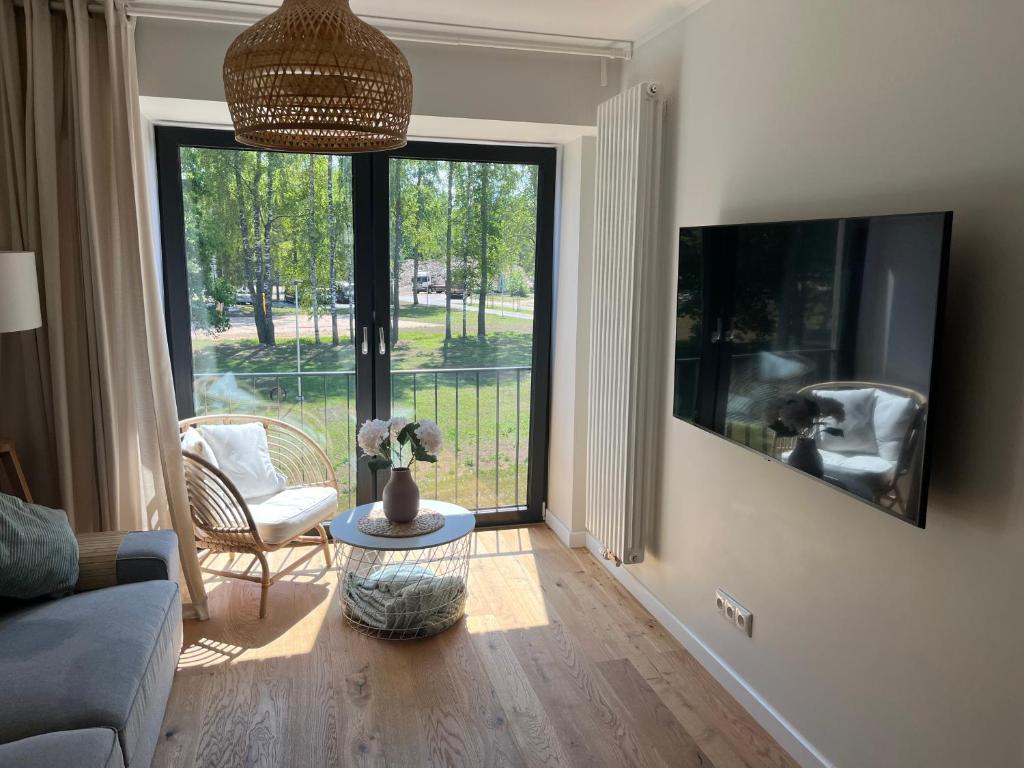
(378, 525)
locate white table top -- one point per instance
(458, 522)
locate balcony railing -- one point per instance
(483, 414)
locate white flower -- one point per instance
(429, 435)
(398, 423)
(372, 436)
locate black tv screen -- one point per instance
(814, 343)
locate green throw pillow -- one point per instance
(38, 550)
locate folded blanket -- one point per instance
(38, 550)
(409, 599)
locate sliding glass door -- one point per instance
(327, 290)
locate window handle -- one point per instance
(381, 346)
(366, 342)
(716, 336)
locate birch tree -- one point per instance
(332, 249)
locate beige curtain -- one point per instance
(88, 397)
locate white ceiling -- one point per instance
(607, 19)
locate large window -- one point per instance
(326, 290)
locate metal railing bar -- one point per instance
(402, 372)
(348, 434)
(456, 437)
(435, 421)
(478, 440)
(518, 417)
(256, 402)
(497, 434)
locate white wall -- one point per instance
(184, 60)
(882, 644)
(570, 352)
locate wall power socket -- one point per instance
(734, 613)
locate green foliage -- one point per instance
(515, 281)
(255, 223)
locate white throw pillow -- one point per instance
(193, 442)
(893, 415)
(243, 455)
(858, 429)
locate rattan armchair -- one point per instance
(889, 494)
(222, 517)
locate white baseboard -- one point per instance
(571, 539)
(764, 713)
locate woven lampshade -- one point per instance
(314, 77)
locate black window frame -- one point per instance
(371, 232)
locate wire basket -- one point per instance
(404, 594)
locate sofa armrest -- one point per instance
(124, 557)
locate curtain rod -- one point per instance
(403, 30)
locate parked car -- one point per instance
(438, 286)
(422, 282)
(243, 297)
(342, 293)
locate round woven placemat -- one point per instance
(378, 525)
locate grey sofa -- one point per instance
(84, 680)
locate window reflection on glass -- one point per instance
(812, 342)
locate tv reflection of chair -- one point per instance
(881, 436)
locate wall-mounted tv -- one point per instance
(814, 343)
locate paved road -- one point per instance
(437, 300)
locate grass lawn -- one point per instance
(484, 415)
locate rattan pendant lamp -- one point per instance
(314, 77)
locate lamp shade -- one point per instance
(313, 77)
(19, 292)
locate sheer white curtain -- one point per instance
(88, 397)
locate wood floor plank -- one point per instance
(531, 726)
(458, 691)
(361, 695)
(183, 721)
(312, 725)
(654, 723)
(692, 680)
(555, 665)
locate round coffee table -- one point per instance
(403, 588)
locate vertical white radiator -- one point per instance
(624, 369)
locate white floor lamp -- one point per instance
(19, 311)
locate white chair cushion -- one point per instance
(292, 512)
(243, 455)
(193, 442)
(872, 470)
(893, 416)
(858, 428)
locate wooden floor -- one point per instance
(554, 665)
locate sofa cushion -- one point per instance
(244, 456)
(892, 419)
(858, 429)
(102, 659)
(85, 748)
(38, 550)
(293, 512)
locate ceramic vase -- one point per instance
(805, 457)
(402, 496)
